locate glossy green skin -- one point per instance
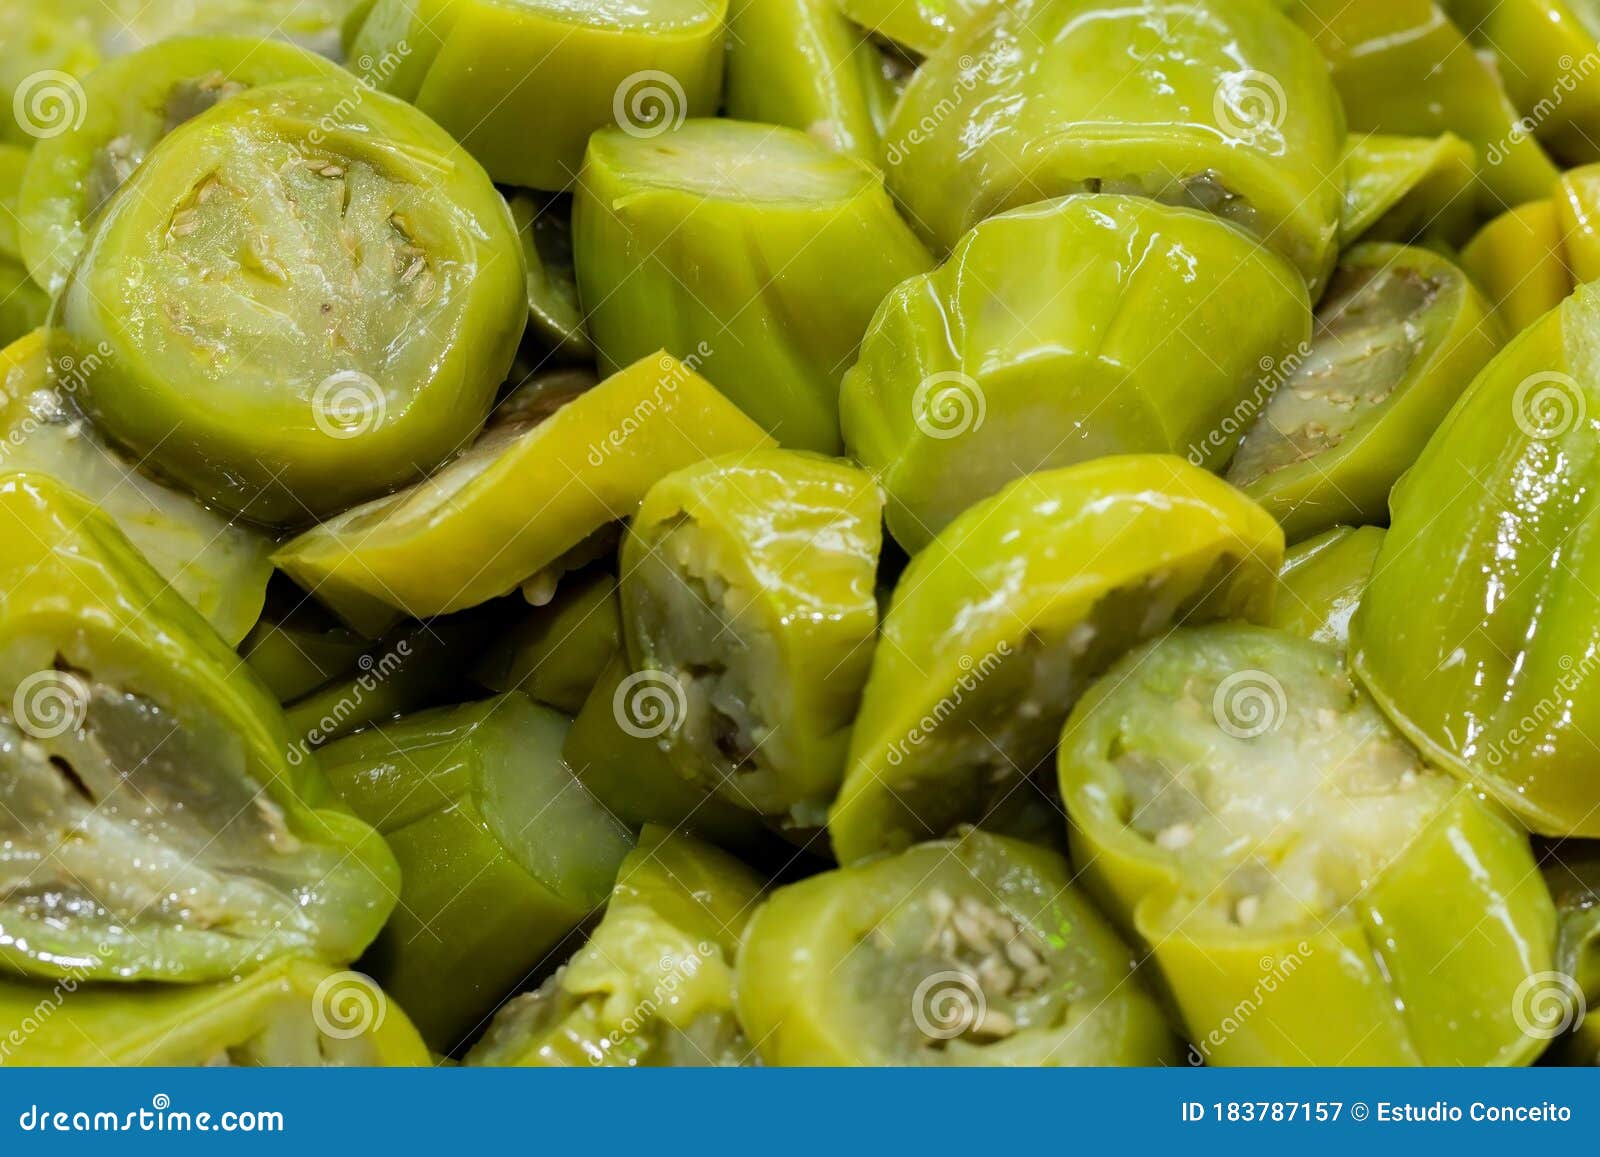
(803, 64)
(269, 434)
(1572, 870)
(285, 871)
(1322, 581)
(998, 625)
(267, 1019)
(522, 83)
(122, 26)
(748, 586)
(1413, 980)
(919, 25)
(220, 568)
(13, 163)
(1519, 260)
(545, 229)
(1478, 634)
(631, 775)
(654, 984)
(1318, 475)
(1406, 188)
(770, 295)
(1046, 97)
(1402, 67)
(825, 980)
(1061, 332)
(129, 104)
(556, 653)
(474, 920)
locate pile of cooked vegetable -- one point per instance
(799, 532)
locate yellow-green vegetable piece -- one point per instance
(750, 616)
(1322, 581)
(1400, 333)
(43, 58)
(971, 951)
(1222, 106)
(1576, 199)
(156, 825)
(1260, 825)
(654, 986)
(551, 469)
(998, 625)
(1408, 188)
(292, 1013)
(556, 653)
(13, 163)
(1519, 261)
(1479, 635)
(1061, 332)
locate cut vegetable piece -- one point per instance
(999, 624)
(545, 226)
(974, 951)
(1479, 634)
(1408, 188)
(1262, 826)
(297, 647)
(1322, 582)
(502, 852)
(220, 568)
(123, 26)
(753, 251)
(523, 83)
(42, 59)
(556, 653)
(542, 478)
(1519, 261)
(1399, 335)
(130, 104)
(804, 65)
(1577, 206)
(292, 1013)
(1572, 869)
(918, 25)
(1402, 67)
(154, 826)
(24, 307)
(1061, 332)
(750, 614)
(304, 306)
(654, 984)
(1223, 107)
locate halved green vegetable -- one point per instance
(1408, 188)
(501, 851)
(750, 613)
(1479, 634)
(306, 303)
(1060, 332)
(654, 984)
(1222, 106)
(551, 470)
(1000, 623)
(154, 824)
(130, 104)
(1400, 333)
(754, 252)
(972, 951)
(220, 568)
(1322, 581)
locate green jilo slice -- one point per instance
(129, 104)
(1278, 845)
(1399, 335)
(152, 824)
(972, 951)
(754, 249)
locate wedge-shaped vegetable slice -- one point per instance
(1519, 261)
(750, 613)
(971, 951)
(1408, 188)
(1399, 335)
(654, 984)
(523, 83)
(755, 250)
(1576, 200)
(220, 567)
(502, 852)
(1322, 581)
(550, 471)
(129, 105)
(1222, 106)
(1479, 635)
(999, 624)
(310, 294)
(1060, 332)
(154, 825)
(1268, 834)
(292, 1013)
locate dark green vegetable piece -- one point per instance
(545, 226)
(556, 653)
(1322, 581)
